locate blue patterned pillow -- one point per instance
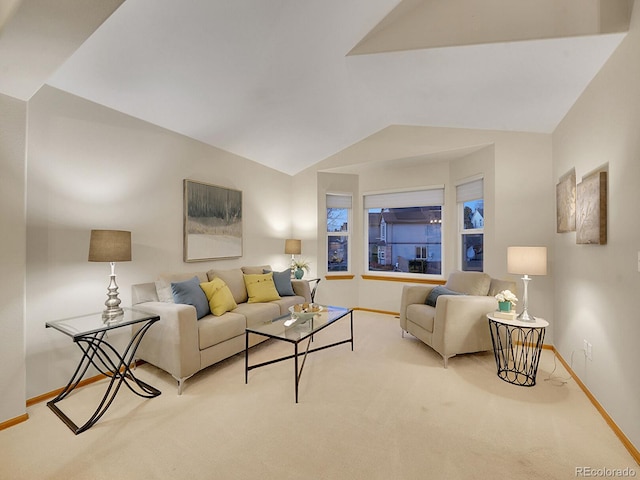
(436, 292)
(283, 282)
(190, 293)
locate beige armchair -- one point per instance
(458, 323)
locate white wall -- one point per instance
(597, 286)
(13, 121)
(91, 167)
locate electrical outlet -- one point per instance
(639, 261)
(589, 352)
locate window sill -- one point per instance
(389, 278)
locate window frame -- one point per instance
(440, 190)
(348, 234)
(467, 197)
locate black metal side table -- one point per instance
(315, 287)
(516, 347)
(89, 332)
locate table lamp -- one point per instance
(110, 246)
(527, 261)
(293, 247)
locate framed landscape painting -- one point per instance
(566, 202)
(591, 209)
(212, 222)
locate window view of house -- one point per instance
(472, 236)
(338, 232)
(405, 239)
(338, 242)
(470, 200)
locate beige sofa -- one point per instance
(457, 324)
(181, 344)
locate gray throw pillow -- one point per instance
(189, 292)
(436, 292)
(283, 282)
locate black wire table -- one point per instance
(89, 332)
(517, 346)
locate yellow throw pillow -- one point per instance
(261, 288)
(219, 296)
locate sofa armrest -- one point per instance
(301, 287)
(171, 343)
(461, 325)
(412, 294)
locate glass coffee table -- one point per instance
(287, 329)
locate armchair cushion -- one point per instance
(436, 292)
(219, 296)
(260, 288)
(190, 293)
(498, 286)
(471, 283)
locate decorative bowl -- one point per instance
(305, 311)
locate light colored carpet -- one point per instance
(387, 410)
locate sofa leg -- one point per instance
(446, 361)
(181, 382)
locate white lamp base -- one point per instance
(524, 316)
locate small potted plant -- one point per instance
(300, 266)
(506, 298)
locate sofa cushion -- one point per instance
(219, 296)
(256, 270)
(258, 313)
(283, 282)
(144, 292)
(471, 283)
(163, 283)
(261, 288)
(288, 301)
(163, 288)
(234, 280)
(432, 298)
(190, 293)
(214, 330)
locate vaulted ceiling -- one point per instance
(288, 83)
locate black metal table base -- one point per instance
(517, 352)
(108, 361)
(296, 354)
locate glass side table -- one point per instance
(517, 346)
(89, 333)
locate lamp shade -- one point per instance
(527, 260)
(110, 246)
(293, 246)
